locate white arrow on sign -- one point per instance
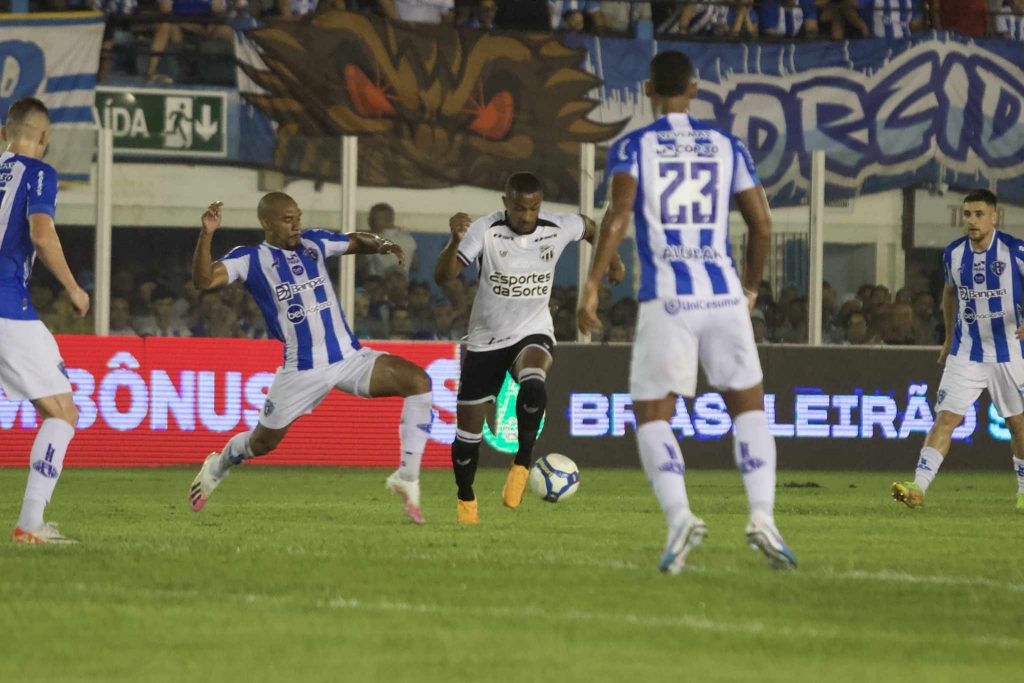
(205, 127)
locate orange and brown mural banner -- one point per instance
(434, 106)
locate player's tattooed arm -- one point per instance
(448, 265)
(368, 243)
(205, 273)
(617, 269)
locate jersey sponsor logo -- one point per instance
(979, 278)
(285, 291)
(998, 267)
(676, 144)
(971, 316)
(39, 183)
(521, 286)
(680, 252)
(966, 293)
(296, 313)
(674, 306)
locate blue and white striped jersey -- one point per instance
(686, 172)
(27, 186)
(890, 18)
(990, 306)
(295, 294)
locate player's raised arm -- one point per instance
(205, 273)
(368, 243)
(44, 238)
(449, 265)
(753, 205)
(613, 230)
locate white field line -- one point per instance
(902, 577)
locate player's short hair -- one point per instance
(270, 200)
(671, 73)
(22, 111)
(982, 195)
(523, 182)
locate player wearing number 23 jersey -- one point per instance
(676, 178)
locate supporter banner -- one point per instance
(888, 113)
(55, 57)
(161, 401)
(438, 106)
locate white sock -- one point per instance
(1018, 467)
(235, 452)
(927, 467)
(663, 463)
(414, 430)
(753, 448)
(46, 460)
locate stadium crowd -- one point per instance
(165, 41)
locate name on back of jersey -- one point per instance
(688, 142)
(681, 252)
(520, 285)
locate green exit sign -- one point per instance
(161, 122)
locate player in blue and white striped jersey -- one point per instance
(983, 308)
(287, 276)
(676, 178)
(30, 363)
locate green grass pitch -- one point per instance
(314, 575)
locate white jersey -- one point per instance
(990, 305)
(517, 273)
(687, 173)
(295, 294)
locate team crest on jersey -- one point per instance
(997, 268)
(547, 253)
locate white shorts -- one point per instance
(672, 334)
(295, 393)
(964, 380)
(30, 362)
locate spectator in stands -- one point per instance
(366, 324)
(121, 318)
(162, 322)
(927, 325)
(794, 330)
(396, 288)
(857, 332)
(691, 19)
(842, 19)
(565, 325)
(523, 15)
(787, 18)
(420, 11)
(742, 19)
(401, 325)
(624, 312)
(892, 18)
(483, 16)
(577, 16)
(210, 309)
(829, 323)
(620, 16)
(251, 323)
(617, 333)
(294, 10)
(174, 33)
(864, 292)
(447, 326)
(382, 223)
(838, 335)
(899, 330)
(419, 305)
(966, 16)
(1010, 20)
(42, 298)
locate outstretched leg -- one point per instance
(239, 448)
(530, 369)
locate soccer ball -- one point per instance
(554, 477)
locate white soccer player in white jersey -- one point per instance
(30, 363)
(287, 276)
(510, 327)
(983, 310)
(675, 178)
